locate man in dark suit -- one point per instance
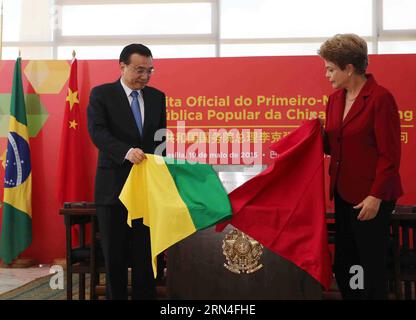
(123, 118)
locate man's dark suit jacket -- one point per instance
(114, 131)
(365, 146)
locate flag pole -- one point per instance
(1, 31)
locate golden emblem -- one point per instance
(242, 252)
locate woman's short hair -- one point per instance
(343, 49)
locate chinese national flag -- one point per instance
(72, 183)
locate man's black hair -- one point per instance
(134, 48)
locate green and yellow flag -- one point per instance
(174, 198)
(16, 233)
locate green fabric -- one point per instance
(13, 243)
(201, 191)
(17, 106)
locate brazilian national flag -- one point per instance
(16, 233)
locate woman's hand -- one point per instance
(314, 116)
(369, 208)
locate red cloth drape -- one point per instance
(283, 207)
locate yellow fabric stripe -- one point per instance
(20, 129)
(150, 193)
(20, 196)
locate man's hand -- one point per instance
(369, 208)
(135, 156)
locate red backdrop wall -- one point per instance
(212, 89)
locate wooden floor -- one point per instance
(12, 278)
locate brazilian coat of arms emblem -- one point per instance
(242, 252)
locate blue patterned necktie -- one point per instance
(135, 107)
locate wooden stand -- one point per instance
(60, 261)
(19, 263)
(195, 268)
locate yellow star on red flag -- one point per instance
(72, 97)
(73, 124)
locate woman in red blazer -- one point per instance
(362, 136)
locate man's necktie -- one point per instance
(135, 107)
